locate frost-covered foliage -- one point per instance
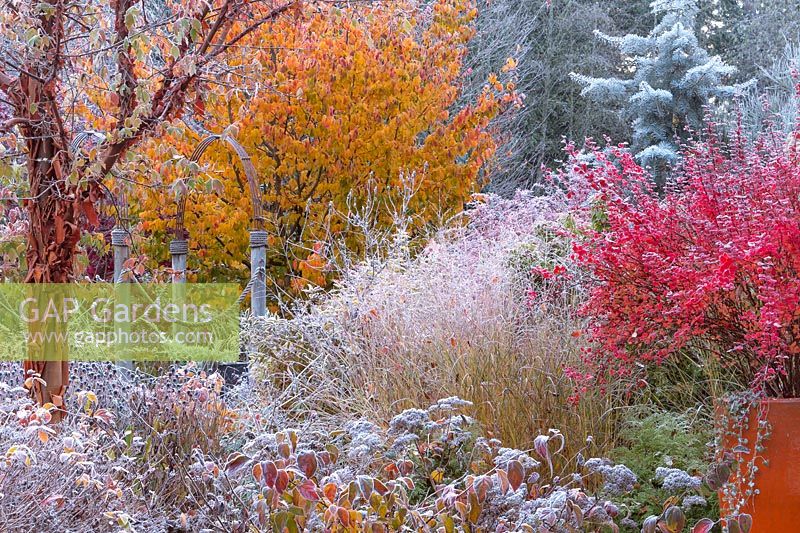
(617, 479)
(544, 41)
(675, 480)
(13, 228)
(674, 78)
(184, 454)
(476, 313)
(709, 270)
(776, 102)
(120, 461)
(666, 450)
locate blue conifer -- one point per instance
(673, 80)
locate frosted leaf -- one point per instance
(652, 156)
(602, 89)
(633, 45)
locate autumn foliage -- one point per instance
(120, 66)
(711, 268)
(333, 106)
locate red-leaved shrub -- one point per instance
(709, 266)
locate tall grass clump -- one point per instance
(477, 313)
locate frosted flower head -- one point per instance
(365, 447)
(457, 434)
(617, 479)
(402, 442)
(357, 427)
(593, 464)
(506, 455)
(675, 480)
(453, 403)
(410, 421)
(365, 437)
(482, 445)
(693, 500)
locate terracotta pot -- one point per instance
(776, 508)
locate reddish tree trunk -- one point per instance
(59, 193)
(53, 208)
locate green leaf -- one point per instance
(194, 33)
(449, 525)
(46, 9)
(130, 16)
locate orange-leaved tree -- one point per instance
(335, 108)
(126, 67)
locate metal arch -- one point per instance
(83, 137)
(76, 147)
(249, 171)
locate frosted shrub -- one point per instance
(703, 271)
